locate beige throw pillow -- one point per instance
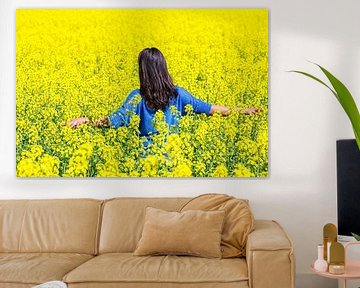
(238, 223)
(193, 232)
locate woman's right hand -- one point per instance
(78, 121)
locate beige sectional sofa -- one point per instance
(90, 243)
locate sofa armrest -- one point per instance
(269, 256)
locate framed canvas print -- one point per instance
(142, 93)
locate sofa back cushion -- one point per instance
(123, 220)
(238, 224)
(67, 226)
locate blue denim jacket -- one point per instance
(121, 117)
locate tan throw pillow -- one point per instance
(239, 221)
(196, 233)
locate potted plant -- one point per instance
(346, 100)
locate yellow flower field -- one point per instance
(83, 62)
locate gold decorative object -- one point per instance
(337, 258)
(330, 236)
(336, 269)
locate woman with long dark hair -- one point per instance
(158, 92)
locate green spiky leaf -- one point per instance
(356, 236)
(344, 97)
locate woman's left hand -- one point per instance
(249, 111)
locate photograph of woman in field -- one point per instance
(157, 92)
(88, 124)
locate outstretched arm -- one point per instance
(101, 122)
(118, 118)
(225, 111)
(201, 106)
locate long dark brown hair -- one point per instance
(156, 84)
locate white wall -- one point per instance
(305, 120)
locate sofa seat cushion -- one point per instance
(36, 268)
(127, 268)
